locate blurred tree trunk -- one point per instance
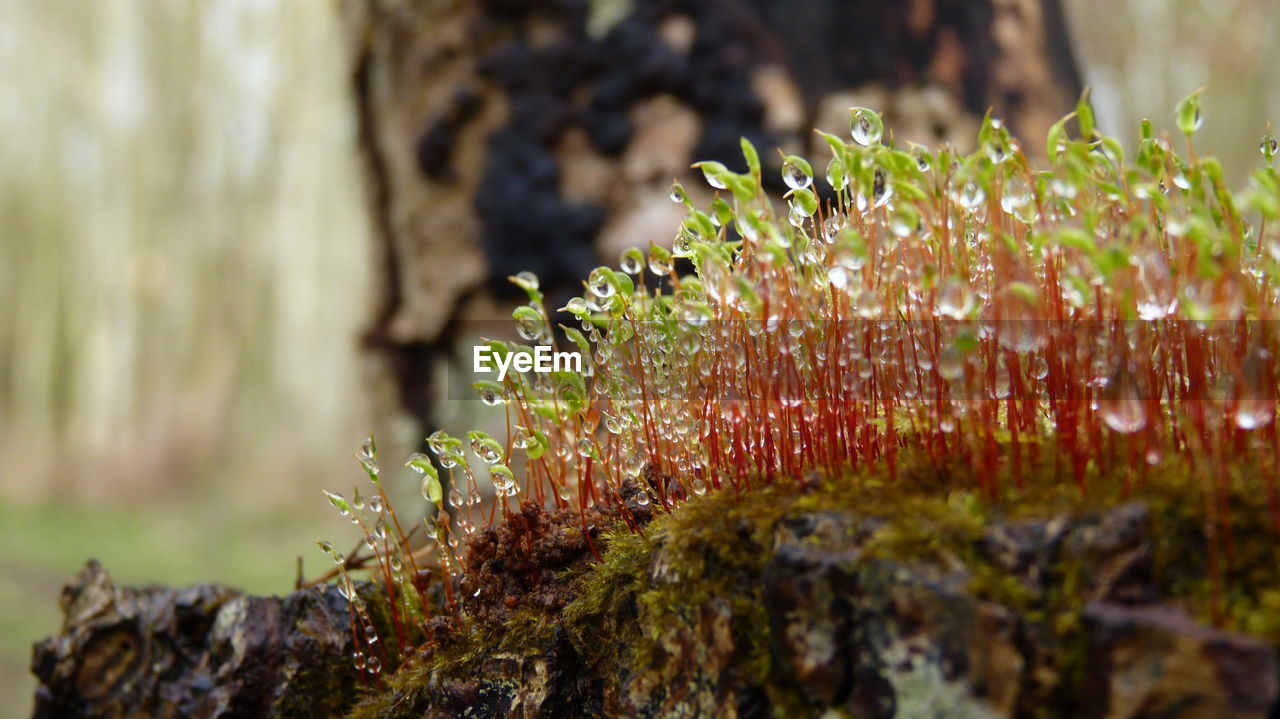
(508, 135)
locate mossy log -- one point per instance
(796, 599)
(502, 136)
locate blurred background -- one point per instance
(184, 271)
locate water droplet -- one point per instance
(375, 504)
(1039, 368)
(530, 326)
(1000, 390)
(1016, 195)
(1269, 146)
(923, 162)
(520, 437)
(836, 177)
(678, 195)
(490, 398)
(971, 196)
(659, 265)
(528, 279)
(487, 450)
(368, 457)
(437, 442)
(600, 283)
(634, 464)
(682, 246)
(881, 191)
(1152, 456)
(1120, 403)
(631, 261)
(373, 666)
(955, 299)
(337, 500)
(357, 659)
(712, 179)
(1255, 402)
(865, 126)
(455, 498)
(795, 215)
(831, 227)
(1154, 288)
(795, 176)
(699, 486)
(357, 500)
(998, 151)
(951, 364)
(339, 558)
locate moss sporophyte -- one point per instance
(1102, 320)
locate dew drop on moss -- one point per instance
(1268, 147)
(678, 194)
(600, 283)
(795, 176)
(1120, 404)
(865, 126)
(528, 279)
(955, 299)
(971, 196)
(836, 176)
(631, 261)
(881, 191)
(712, 180)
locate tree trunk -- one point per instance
(502, 136)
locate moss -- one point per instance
(669, 587)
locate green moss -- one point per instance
(705, 560)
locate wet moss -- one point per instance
(660, 591)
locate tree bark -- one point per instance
(507, 135)
(204, 651)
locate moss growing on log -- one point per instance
(728, 600)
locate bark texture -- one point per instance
(509, 135)
(204, 651)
